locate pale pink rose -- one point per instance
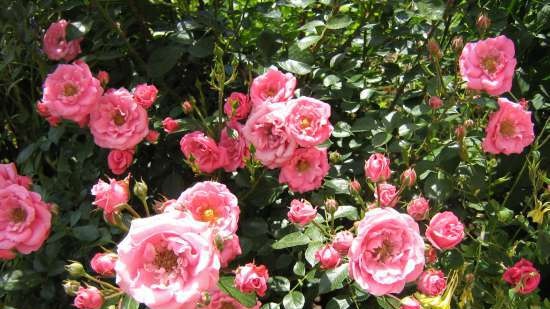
(445, 230)
(118, 122)
(301, 212)
(272, 86)
(103, 78)
(252, 278)
(408, 177)
(88, 298)
(342, 241)
(203, 151)
(120, 160)
(9, 176)
(237, 106)
(71, 92)
(410, 303)
(377, 168)
(55, 44)
(213, 203)
(231, 250)
(25, 220)
(266, 130)
(145, 95)
(489, 65)
(308, 121)
(170, 205)
(152, 137)
(220, 300)
(510, 129)
(170, 125)
(104, 263)
(435, 102)
(432, 282)
(42, 110)
(387, 194)
(328, 257)
(523, 276)
(306, 169)
(418, 208)
(109, 195)
(235, 147)
(387, 252)
(167, 262)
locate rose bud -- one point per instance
(301, 212)
(71, 287)
(377, 168)
(445, 230)
(387, 195)
(170, 125)
(75, 269)
(186, 107)
(418, 208)
(104, 263)
(433, 49)
(252, 278)
(152, 137)
(432, 282)
(328, 257)
(354, 186)
(410, 302)
(88, 298)
(457, 43)
(408, 178)
(483, 23)
(435, 102)
(331, 205)
(460, 132)
(103, 78)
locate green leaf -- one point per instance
(333, 279)
(308, 41)
(271, 306)
(291, 240)
(299, 268)
(338, 303)
(437, 186)
(310, 252)
(163, 59)
(388, 303)
(128, 303)
(363, 124)
(294, 300)
(86, 233)
(227, 285)
(346, 211)
(279, 284)
(295, 67)
(339, 22)
(340, 186)
(380, 139)
(341, 130)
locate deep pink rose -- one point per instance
(145, 95)
(231, 250)
(266, 130)
(523, 276)
(167, 262)
(342, 241)
(387, 194)
(387, 252)
(328, 257)
(71, 92)
(510, 129)
(235, 147)
(408, 177)
(88, 298)
(308, 121)
(306, 169)
(170, 125)
(272, 86)
(203, 151)
(377, 168)
(7, 255)
(410, 303)
(432, 282)
(252, 278)
(445, 230)
(152, 137)
(118, 122)
(55, 44)
(25, 220)
(103, 78)
(109, 195)
(435, 102)
(301, 212)
(418, 208)
(120, 160)
(220, 300)
(489, 65)
(237, 106)
(104, 263)
(9, 176)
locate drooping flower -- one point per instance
(272, 86)
(306, 169)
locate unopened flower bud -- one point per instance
(435, 102)
(75, 269)
(335, 157)
(483, 23)
(469, 277)
(103, 78)
(457, 43)
(71, 287)
(140, 189)
(331, 205)
(468, 123)
(460, 132)
(187, 107)
(354, 186)
(433, 49)
(408, 177)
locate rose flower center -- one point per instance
(305, 123)
(69, 90)
(118, 118)
(209, 215)
(166, 259)
(383, 252)
(490, 64)
(226, 305)
(302, 166)
(507, 128)
(18, 215)
(270, 92)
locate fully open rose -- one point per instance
(308, 121)
(272, 86)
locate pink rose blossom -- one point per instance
(71, 92)
(220, 300)
(272, 86)
(104, 263)
(445, 230)
(266, 130)
(432, 282)
(109, 195)
(418, 208)
(55, 44)
(120, 160)
(237, 106)
(234, 146)
(203, 151)
(377, 168)
(152, 137)
(308, 121)
(42, 110)
(7, 255)
(410, 303)
(252, 278)
(408, 177)
(25, 220)
(118, 122)
(306, 169)
(328, 257)
(342, 241)
(387, 194)
(489, 65)
(301, 212)
(435, 102)
(9, 176)
(88, 298)
(523, 276)
(510, 129)
(145, 95)
(387, 252)
(167, 261)
(231, 250)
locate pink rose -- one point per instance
(510, 129)
(387, 194)
(445, 231)
(435, 102)
(145, 95)
(354, 186)
(489, 65)
(167, 262)
(9, 176)
(342, 241)
(203, 151)
(308, 121)
(408, 177)
(103, 78)
(118, 122)
(328, 257)
(432, 282)
(410, 303)
(266, 130)
(237, 106)
(170, 125)
(306, 169)
(523, 276)
(55, 44)
(220, 300)
(252, 278)
(42, 110)
(377, 168)
(104, 263)
(187, 107)
(25, 220)
(109, 195)
(387, 252)
(7, 255)
(152, 137)
(120, 160)
(272, 86)
(301, 212)
(235, 147)
(88, 298)
(71, 92)
(231, 249)
(418, 208)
